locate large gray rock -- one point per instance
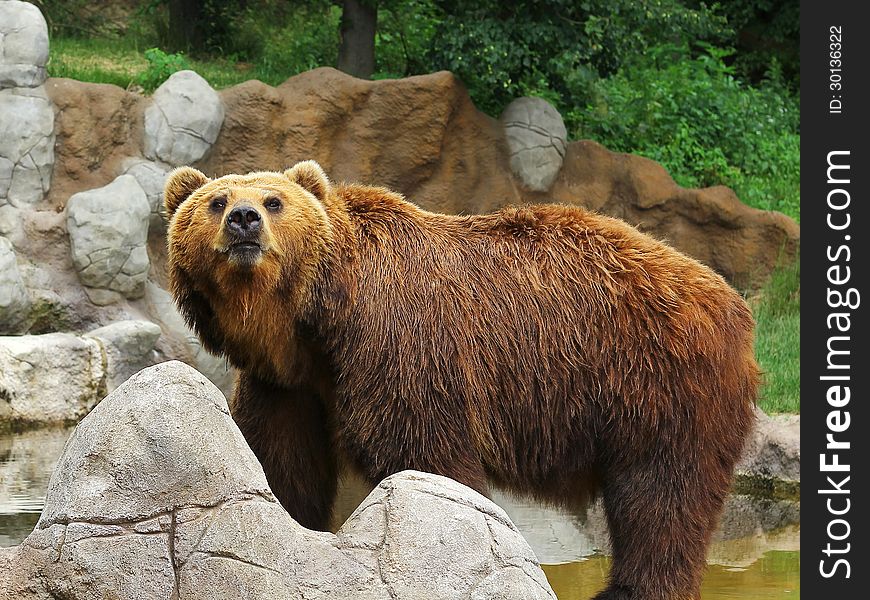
(537, 141)
(108, 230)
(152, 178)
(129, 348)
(23, 44)
(157, 495)
(774, 450)
(14, 299)
(183, 120)
(59, 377)
(49, 378)
(26, 145)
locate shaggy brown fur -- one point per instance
(545, 349)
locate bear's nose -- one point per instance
(244, 220)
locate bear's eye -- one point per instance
(272, 204)
(218, 204)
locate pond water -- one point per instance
(754, 555)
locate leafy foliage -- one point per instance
(160, 66)
(767, 36)
(555, 48)
(704, 125)
(406, 29)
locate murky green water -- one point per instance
(755, 554)
(775, 575)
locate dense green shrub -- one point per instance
(705, 126)
(406, 30)
(555, 48)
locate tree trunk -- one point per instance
(185, 26)
(356, 54)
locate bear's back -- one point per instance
(531, 315)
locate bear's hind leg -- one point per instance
(288, 433)
(661, 514)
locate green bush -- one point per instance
(555, 48)
(705, 126)
(160, 66)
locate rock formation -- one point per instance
(157, 495)
(59, 377)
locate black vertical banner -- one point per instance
(835, 357)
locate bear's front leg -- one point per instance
(286, 429)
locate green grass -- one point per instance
(96, 60)
(778, 340)
(122, 61)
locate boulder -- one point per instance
(774, 450)
(26, 144)
(157, 495)
(14, 299)
(536, 139)
(151, 177)
(59, 377)
(128, 347)
(54, 377)
(108, 229)
(23, 45)
(183, 120)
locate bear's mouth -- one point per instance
(245, 253)
(245, 246)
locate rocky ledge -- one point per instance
(157, 495)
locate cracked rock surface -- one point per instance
(26, 145)
(23, 44)
(128, 346)
(183, 120)
(51, 377)
(108, 230)
(537, 141)
(151, 177)
(58, 377)
(14, 299)
(157, 496)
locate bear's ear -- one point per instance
(180, 184)
(311, 177)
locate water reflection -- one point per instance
(755, 554)
(26, 461)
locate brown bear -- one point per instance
(546, 349)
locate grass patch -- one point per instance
(96, 60)
(778, 340)
(122, 63)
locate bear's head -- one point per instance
(240, 229)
